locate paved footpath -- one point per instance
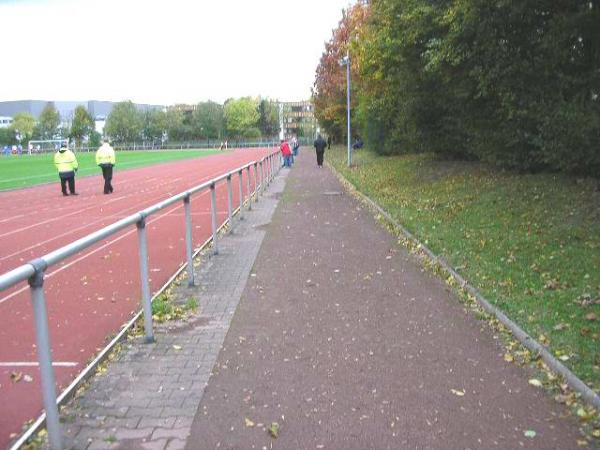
(313, 317)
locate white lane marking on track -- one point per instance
(8, 297)
(12, 218)
(50, 274)
(35, 364)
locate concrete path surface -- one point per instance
(314, 318)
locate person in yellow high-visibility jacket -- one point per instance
(66, 164)
(105, 158)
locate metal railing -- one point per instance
(33, 272)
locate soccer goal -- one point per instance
(45, 146)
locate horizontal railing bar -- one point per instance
(25, 271)
(86, 241)
(15, 276)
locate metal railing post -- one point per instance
(213, 213)
(249, 191)
(188, 239)
(145, 280)
(36, 284)
(230, 203)
(261, 172)
(268, 168)
(256, 180)
(241, 194)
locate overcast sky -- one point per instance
(162, 51)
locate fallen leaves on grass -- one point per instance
(592, 316)
(535, 382)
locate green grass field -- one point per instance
(529, 243)
(25, 170)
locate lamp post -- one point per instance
(346, 62)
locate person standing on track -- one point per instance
(66, 164)
(320, 145)
(105, 158)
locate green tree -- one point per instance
(512, 83)
(124, 123)
(48, 122)
(23, 125)
(207, 120)
(175, 126)
(241, 117)
(155, 124)
(82, 125)
(268, 123)
(7, 136)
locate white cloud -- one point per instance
(163, 52)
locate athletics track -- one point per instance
(93, 293)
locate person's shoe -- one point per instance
(65, 194)
(74, 193)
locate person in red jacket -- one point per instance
(286, 152)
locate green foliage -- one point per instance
(268, 122)
(207, 120)
(124, 123)
(154, 123)
(48, 122)
(25, 123)
(82, 125)
(7, 136)
(511, 83)
(241, 117)
(175, 126)
(95, 139)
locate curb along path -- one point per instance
(344, 341)
(149, 395)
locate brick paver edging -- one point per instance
(525, 339)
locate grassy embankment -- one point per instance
(529, 243)
(25, 170)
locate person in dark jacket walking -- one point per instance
(320, 145)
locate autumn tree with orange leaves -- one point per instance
(329, 90)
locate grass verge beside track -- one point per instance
(28, 170)
(529, 243)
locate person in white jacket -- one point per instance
(105, 158)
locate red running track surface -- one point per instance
(93, 293)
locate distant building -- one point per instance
(298, 118)
(5, 121)
(66, 109)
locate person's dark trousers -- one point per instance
(320, 158)
(107, 172)
(67, 178)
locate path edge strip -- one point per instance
(525, 339)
